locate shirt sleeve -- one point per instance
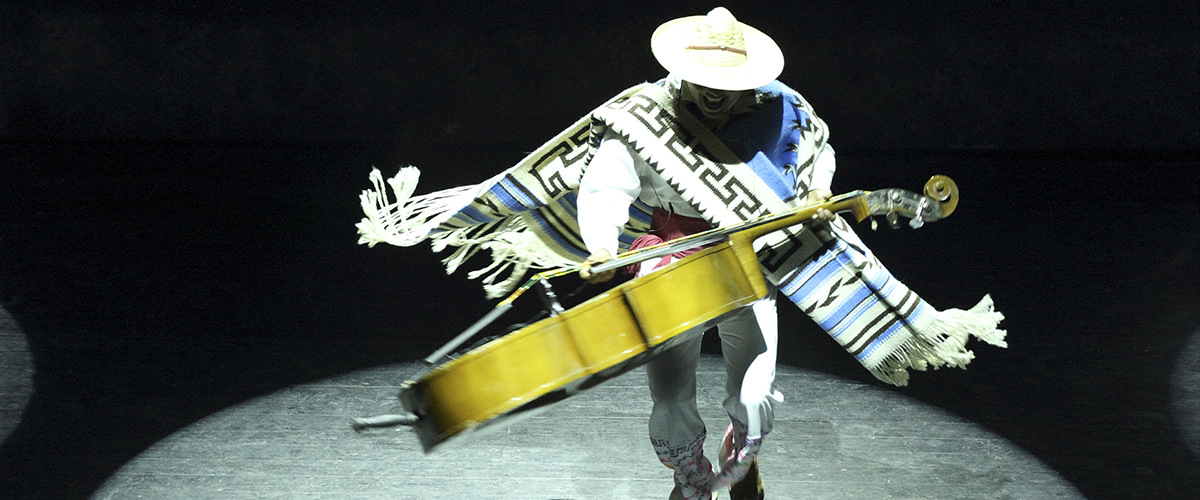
(608, 187)
(823, 168)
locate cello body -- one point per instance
(599, 339)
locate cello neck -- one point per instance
(853, 202)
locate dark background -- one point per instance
(178, 193)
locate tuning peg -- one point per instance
(893, 219)
(915, 222)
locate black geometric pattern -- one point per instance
(687, 151)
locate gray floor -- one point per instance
(833, 439)
(16, 374)
(1185, 393)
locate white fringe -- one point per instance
(943, 342)
(409, 220)
(515, 250)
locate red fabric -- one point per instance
(666, 226)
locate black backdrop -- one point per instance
(1019, 75)
(179, 188)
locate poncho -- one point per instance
(760, 164)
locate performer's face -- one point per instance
(711, 102)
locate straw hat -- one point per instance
(717, 51)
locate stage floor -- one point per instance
(833, 439)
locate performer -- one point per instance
(716, 142)
(715, 65)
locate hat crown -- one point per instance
(718, 41)
(717, 51)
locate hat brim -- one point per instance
(764, 60)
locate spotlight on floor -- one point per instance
(16, 374)
(1185, 393)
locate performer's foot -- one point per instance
(750, 487)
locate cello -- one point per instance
(620, 329)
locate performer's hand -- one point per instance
(596, 257)
(818, 196)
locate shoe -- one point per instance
(750, 487)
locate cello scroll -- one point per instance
(940, 198)
(943, 190)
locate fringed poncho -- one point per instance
(760, 164)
